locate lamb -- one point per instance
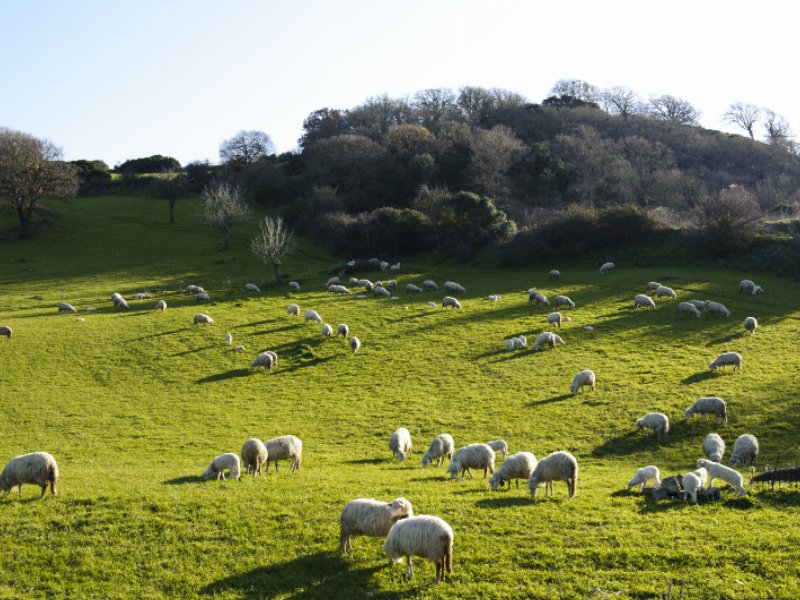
(413, 289)
(745, 450)
(559, 465)
(453, 287)
(122, 303)
(394, 267)
(431, 304)
(38, 468)
(665, 291)
(293, 310)
(643, 300)
(708, 405)
(746, 286)
(688, 307)
(343, 330)
(582, 378)
(391, 284)
(652, 286)
(442, 446)
(66, 307)
(264, 359)
(161, 305)
(555, 319)
(537, 298)
(283, 447)
(201, 318)
(384, 265)
(714, 447)
(217, 467)
(606, 268)
(327, 331)
(728, 475)
(367, 516)
(400, 443)
(516, 343)
(717, 307)
(254, 454)
(426, 536)
(757, 289)
(547, 339)
(355, 344)
(656, 421)
(312, 315)
(554, 274)
(6, 331)
(202, 297)
(381, 292)
(193, 290)
(228, 338)
(337, 289)
(451, 302)
(294, 286)
(251, 288)
(332, 281)
(725, 359)
(643, 475)
(565, 300)
(517, 466)
(493, 298)
(499, 446)
(115, 298)
(430, 285)
(474, 456)
(692, 482)
(750, 324)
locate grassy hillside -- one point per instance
(134, 405)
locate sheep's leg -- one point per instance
(471, 476)
(515, 481)
(53, 487)
(19, 488)
(410, 567)
(44, 489)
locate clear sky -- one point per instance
(118, 79)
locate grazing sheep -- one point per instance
(516, 343)
(425, 536)
(558, 466)
(161, 305)
(6, 331)
(193, 290)
(582, 378)
(352, 282)
(554, 274)
(728, 475)
(452, 287)
(698, 304)
(708, 405)
(238, 348)
(384, 265)
(692, 482)
(493, 298)
(367, 516)
(717, 307)
(337, 289)
(474, 456)
(725, 359)
(343, 330)
(606, 268)
(312, 315)
(391, 284)
(451, 302)
(294, 286)
(200, 318)
(332, 281)
(431, 304)
(745, 450)
(413, 289)
(366, 284)
(293, 310)
(555, 319)
(652, 286)
(327, 331)
(757, 289)
(564, 300)
(122, 303)
(38, 468)
(666, 292)
(655, 421)
(217, 467)
(643, 475)
(714, 447)
(688, 307)
(355, 344)
(264, 359)
(643, 300)
(254, 454)
(66, 307)
(535, 297)
(430, 285)
(251, 288)
(381, 292)
(202, 297)
(499, 446)
(746, 286)
(547, 339)
(750, 325)
(442, 446)
(228, 338)
(517, 466)
(285, 447)
(400, 443)
(116, 298)
(394, 267)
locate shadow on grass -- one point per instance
(192, 351)
(276, 330)
(698, 377)
(233, 373)
(443, 476)
(186, 479)
(505, 501)
(367, 461)
(779, 497)
(725, 339)
(635, 441)
(154, 335)
(558, 398)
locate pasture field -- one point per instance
(135, 404)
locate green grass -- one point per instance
(135, 404)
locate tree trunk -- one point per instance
(277, 266)
(225, 238)
(24, 223)
(172, 202)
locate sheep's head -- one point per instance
(426, 460)
(496, 481)
(703, 463)
(453, 469)
(400, 508)
(400, 455)
(687, 414)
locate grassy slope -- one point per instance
(134, 405)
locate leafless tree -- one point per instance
(727, 220)
(222, 206)
(246, 147)
(436, 105)
(675, 110)
(273, 241)
(620, 100)
(777, 130)
(744, 115)
(494, 151)
(576, 88)
(31, 171)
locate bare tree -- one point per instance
(246, 147)
(222, 206)
(675, 110)
(272, 243)
(777, 130)
(494, 151)
(31, 171)
(744, 115)
(620, 100)
(436, 105)
(576, 88)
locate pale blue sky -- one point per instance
(117, 79)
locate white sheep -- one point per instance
(394, 267)
(116, 297)
(366, 284)
(708, 405)
(254, 454)
(750, 325)
(6, 331)
(367, 516)
(745, 450)
(381, 292)
(400, 443)
(692, 482)
(474, 456)
(655, 421)
(338, 290)
(606, 268)
(425, 536)
(555, 319)
(517, 466)
(493, 298)
(547, 338)
(193, 290)
(343, 330)
(431, 304)
(38, 468)
(161, 305)
(327, 330)
(563, 300)
(725, 359)
(383, 265)
(251, 288)
(355, 344)
(332, 281)
(714, 447)
(535, 297)
(718, 308)
(201, 318)
(689, 308)
(583, 378)
(66, 307)
(452, 287)
(238, 348)
(293, 310)
(666, 292)
(643, 475)
(429, 284)
(441, 447)
(757, 289)
(228, 338)
(554, 274)
(202, 297)
(294, 286)
(141, 296)
(652, 286)
(285, 447)
(698, 304)
(643, 300)
(558, 466)
(728, 475)
(499, 446)
(312, 315)
(391, 284)
(265, 360)
(352, 282)
(746, 286)
(451, 302)
(413, 289)
(229, 461)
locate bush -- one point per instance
(726, 222)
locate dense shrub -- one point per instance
(149, 164)
(727, 221)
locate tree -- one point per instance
(727, 221)
(744, 115)
(148, 164)
(675, 110)
(322, 124)
(620, 100)
(272, 243)
(30, 172)
(777, 130)
(576, 88)
(222, 206)
(246, 147)
(172, 185)
(494, 151)
(435, 106)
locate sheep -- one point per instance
(652, 286)
(493, 298)
(337, 289)
(499, 446)
(692, 482)
(400, 443)
(332, 281)
(474, 456)
(757, 289)
(643, 300)
(643, 475)
(658, 422)
(426, 536)
(254, 454)
(725, 359)
(442, 446)
(606, 268)
(559, 465)
(394, 267)
(547, 339)
(688, 307)
(115, 298)
(193, 290)
(38, 468)
(251, 288)
(366, 284)
(6, 331)
(283, 447)
(391, 284)
(413, 289)
(217, 467)
(517, 466)
(343, 330)
(554, 274)
(122, 303)
(294, 286)
(717, 307)
(582, 378)
(293, 310)
(665, 291)
(516, 343)
(264, 359)
(228, 338)
(728, 475)
(201, 318)
(431, 304)
(374, 262)
(565, 300)
(746, 286)
(698, 304)
(451, 302)
(327, 331)
(430, 285)
(538, 298)
(355, 344)
(381, 292)
(161, 305)
(750, 325)
(383, 265)
(555, 319)
(714, 447)
(453, 287)
(708, 405)
(238, 348)
(202, 297)
(367, 516)
(66, 307)
(745, 450)
(312, 315)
